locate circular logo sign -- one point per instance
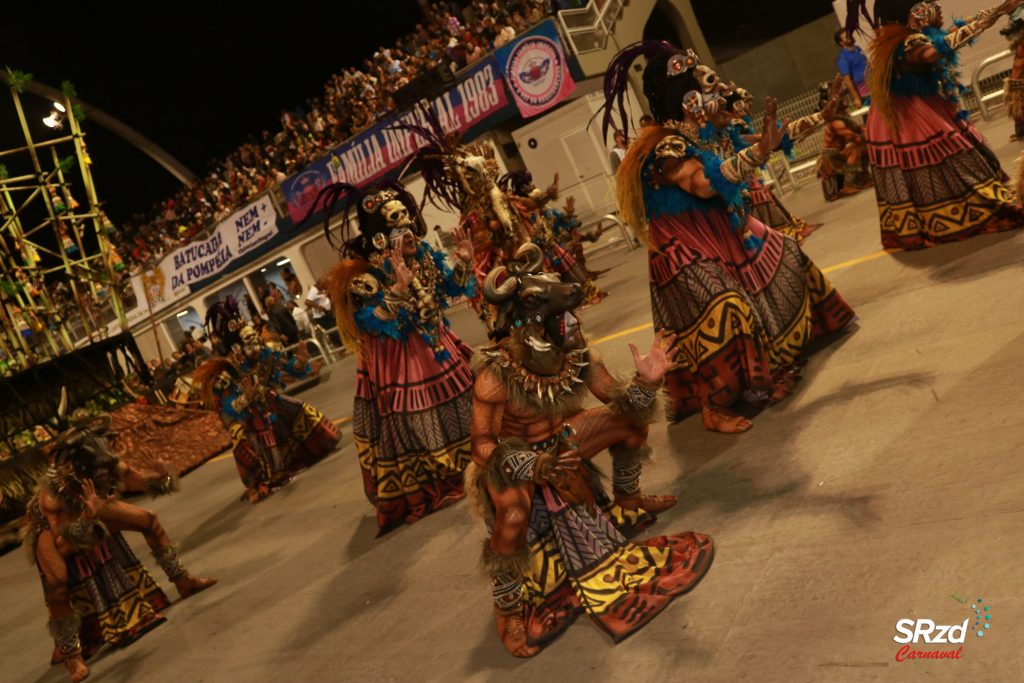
(535, 70)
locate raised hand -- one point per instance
(92, 500)
(771, 132)
(403, 276)
(463, 245)
(651, 368)
(835, 95)
(553, 468)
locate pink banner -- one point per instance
(536, 70)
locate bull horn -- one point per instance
(532, 258)
(496, 294)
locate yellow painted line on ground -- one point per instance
(647, 326)
(623, 333)
(859, 260)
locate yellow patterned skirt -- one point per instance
(113, 593)
(935, 179)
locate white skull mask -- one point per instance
(249, 336)
(396, 214)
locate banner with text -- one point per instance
(479, 95)
(234, 237)
(536, 70)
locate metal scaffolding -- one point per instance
(61, 279)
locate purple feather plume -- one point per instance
(616, 81)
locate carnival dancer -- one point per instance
(274, 436)
(414, 382)
(556, 547)
(464, 178)
(1013, 89)
(765, 204)
(935, 179)
(843, 166)
(744, 301)
(532, 204)
(97, 592)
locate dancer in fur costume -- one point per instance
(413, 382)
(97, 592)
(556, 547)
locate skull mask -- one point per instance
(397, 215)
(249, 336)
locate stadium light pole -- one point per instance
(123, 131)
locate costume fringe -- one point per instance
(629, 192)
(339, 281)
(495, 563)
(881, 55)
(564, 404)
(621, 406)
(476, 493)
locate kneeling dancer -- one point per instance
(555, 547)
(96, 590)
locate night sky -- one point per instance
(196, 79)
(199, 78)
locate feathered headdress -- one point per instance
(616, 82)
(442, 189)
(343, 198)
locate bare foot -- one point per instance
(76, 667)
(188, 585)
(652, 504)
(723, 421)
(512, 631)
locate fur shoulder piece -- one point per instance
(562, 394)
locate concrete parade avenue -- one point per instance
(887, 488)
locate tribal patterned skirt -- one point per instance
(741, 319)
(411, 424)
(582, 563)
(935, 179)
(113, 593)
(271, 447)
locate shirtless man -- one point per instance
(530, 432)
(75, 516)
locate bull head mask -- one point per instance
(532, 302)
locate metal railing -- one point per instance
(588, 28)
(976, 82)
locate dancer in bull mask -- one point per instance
(97, 592)
(556, 547)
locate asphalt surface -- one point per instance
(886, 488)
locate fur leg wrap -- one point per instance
(627, 466)
(510, 464)
(635, 403)
(169, 560)
(495, 563)
(506, 572)
(65, 634)
(162, 486)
